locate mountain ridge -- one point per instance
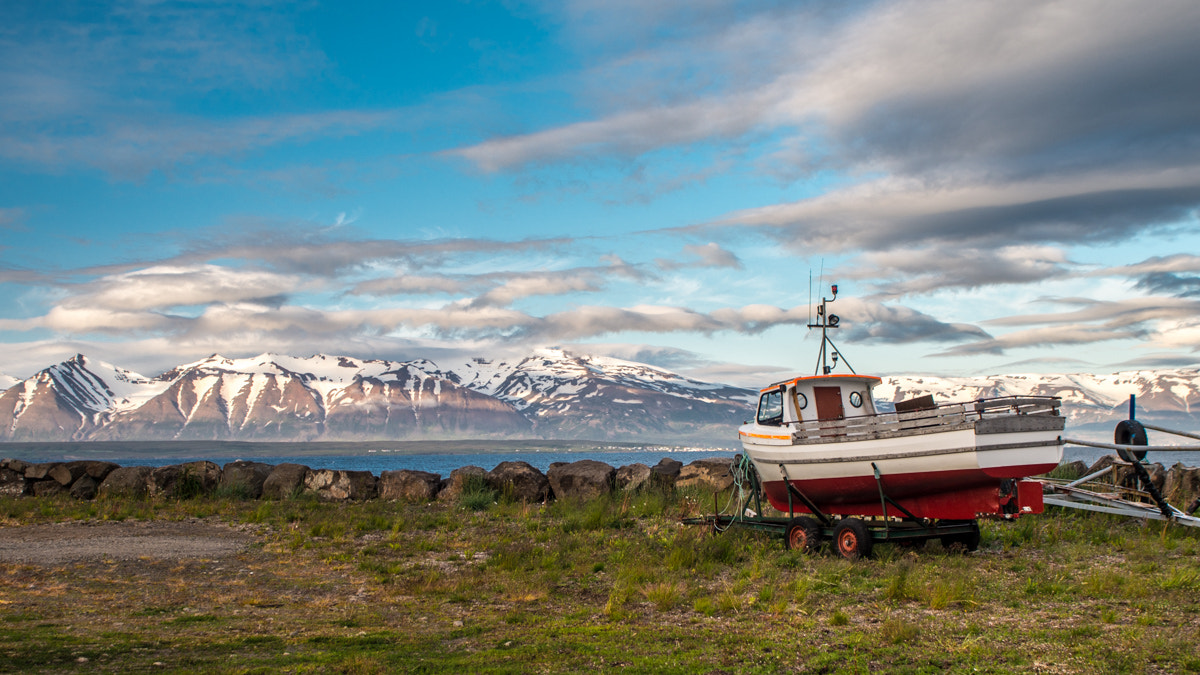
(549, 393)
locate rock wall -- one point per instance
(520, 481)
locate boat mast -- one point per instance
(825, 321)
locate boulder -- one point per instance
(1124, 474)
(585, 479)
(39, 471)
(1073, 470)
(12, 482)
(1102, 463)
(126, 481)
(284, 481)
(632, 476)
(244, 478)
(68, 473)
(1182, 484)
(519, 481)
(46, 488)
(98, 469)
(665, 473)
(452, 487)
(184, 480)
(409, 486)
(711, 474)
(85, 487)
(12, 464)
(337, 485)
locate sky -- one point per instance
(996, 187)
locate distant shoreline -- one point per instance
(269, 448)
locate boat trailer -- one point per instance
(854, 537)
(1142, 499)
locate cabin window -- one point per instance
(856, 399)
(770, 408)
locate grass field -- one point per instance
(485, 585)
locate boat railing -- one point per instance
(944, 417)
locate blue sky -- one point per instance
(995, 187)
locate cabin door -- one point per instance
(829, 403)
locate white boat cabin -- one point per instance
(819, 397)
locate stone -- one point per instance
(632, 476)
(285, 481)
(12, 482)
(126, 481)
(98, 469)
(409, 486)
(68, 473)
(665, 473)
(85, 487)
(1076, 469)
(13, 464)
(585, 479)
(184, 480)
(1125, 475)
(452, 486)
(337, 485)
(1182, 484)
(711, 474)
(519, 481)
(244, 478)
(46, 488)
(39, 471)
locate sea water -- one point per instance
(435, 457)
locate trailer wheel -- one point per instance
(1130, 432)
(963, 542)
(803, 534)
(852, 539)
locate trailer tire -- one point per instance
(1130, 432)
(803, 534)
(852, 539)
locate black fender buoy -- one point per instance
(1130, 432)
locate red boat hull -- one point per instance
(957, 495)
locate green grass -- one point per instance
(488, 585)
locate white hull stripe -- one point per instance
(904, 455)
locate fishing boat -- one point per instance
(821, 444)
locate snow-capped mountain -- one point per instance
(70, 400)
(1170, 398)
(548, 394)
(580, 396)
(276, 397)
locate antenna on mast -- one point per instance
(829, 351)
(810, 295)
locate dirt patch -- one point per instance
(108, 541)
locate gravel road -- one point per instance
(108, 541)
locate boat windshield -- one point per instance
(770, 408)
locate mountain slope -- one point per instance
(69, 401)
(548, 394)
(577, 396)
(1090, 402)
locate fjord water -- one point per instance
(440, 457)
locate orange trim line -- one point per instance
(819, 377)
(746, 433)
